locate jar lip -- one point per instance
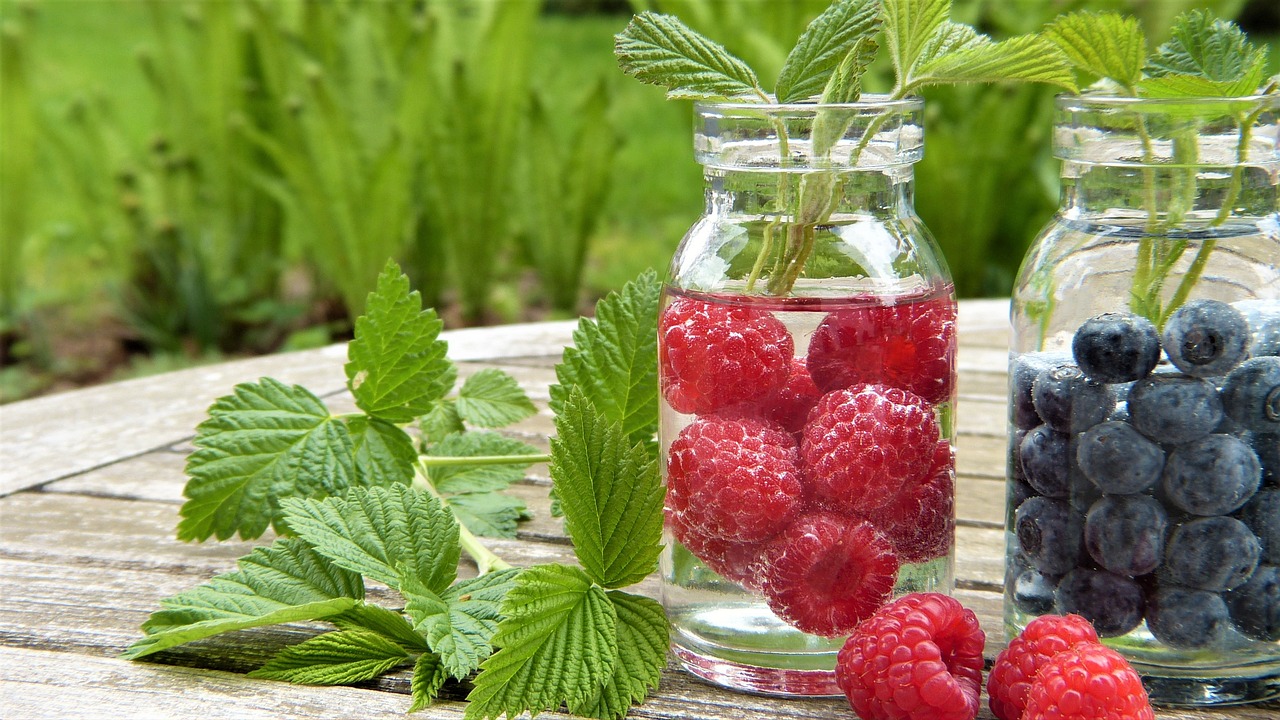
(1103, 101)
(874, 102)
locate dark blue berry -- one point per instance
(1267, 448)
(1263, 318)
(1212, 553)
(1204, 338)
(1033, 591)
(1188, 619)
(1255, 605)
(1125, 533)
(1173, 409)
(1046, 462)
(1023, 371)
(1251, 395)
(1262, 515)
(1068, 401)
(1114, 604)
(1119, 459)
(1116, 347)
(1214, 475)
(1048, 532)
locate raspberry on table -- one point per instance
(1205, 338)
(730, 560)
(1113, 603)
(1214, 475)
(1119, 459)
(1116, 347)
(713, 355)
(917, 658)
(920, 521)
(1174, 408)
(911, 345)
(1016, 666)
(788, 406)
(1046, 461)
(1262, 515)
(1251, 395)
(734, 479)
(827, 572)
(1212, 553)
(1255, 605)
(1068, 401)
(1188, 619)
(1125, 533)
(864, 443)
(1049, 532)
(1088, 682)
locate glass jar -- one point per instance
(807, 374)
(1144, 427)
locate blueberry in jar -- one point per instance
(1045, 461)
(1188, 619)
(1125, 533)
(1022, 375)
(1116, 347)
(1070, 402)
(1049, 532)
(1255, 605)
(1174, 408)
(1113, 603)
(1214, 475)
(1119, 459)
(1213, 553)
(1251, 395)
(1262, 515)
(1204, 338)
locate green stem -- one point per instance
(452, 461)
(486, 560)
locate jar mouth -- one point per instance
(871, 103)
(1101, 102)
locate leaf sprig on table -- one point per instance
(356, 499)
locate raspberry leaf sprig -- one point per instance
(356, 500)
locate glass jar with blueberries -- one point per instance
(1144, 441)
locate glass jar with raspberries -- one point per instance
(807, 370)
(1144, 440)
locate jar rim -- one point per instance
(877, 102)
(1103, 101)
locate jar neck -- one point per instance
(792, 196)
(1165, 198)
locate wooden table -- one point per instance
(91, 482)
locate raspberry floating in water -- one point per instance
(921, 522)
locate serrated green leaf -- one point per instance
(287, 582)
(337, 658)
(459, 623)
(440, 421)
(491, 398)
(661, 50)
(388, 623)
(611, 495)
(397, 367)
(1196, 86)
(1104, 44)
(556, 645)
(823, 45)
(614, 359)
(384, 454)
(909, 25)
(454, 479)
(376, 531)
(265, 442)
(844, 86)
(643, 637)
(428, 677)
(1026, 58)
(488, 514)
(1210, 48)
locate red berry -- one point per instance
(734, 479)
(732, 561)
(827, 572)
(1016, 666)
(917, 658)
(788, 406)
(712, 356)
(1088, 682)
(920, 521)
(863, 444)
(910, 345)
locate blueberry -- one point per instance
(1204, 338)
(1046, 461)
(1119, 459)
(1022, 374)
(1251, 395)
(1263, 317)
(1114, 604)
(1262, 515)
(1267, 447)
(1174, 408)
(1033, 591)
(1116, 347)
(1048, 531)
(1188, 619)
(1213, 553)
(1070, 402)
(1214, 475)
(1125, 533)
(1255, 605)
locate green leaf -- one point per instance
(962, 58)
(1195, 86)
(388, 623)
(376, 531)
(611, 495)
(397, 367)
(440, 421)
(453, 479)
(661, 50)
(643, 637)
(844, 86)
(428, 677)
(384, 454)
(488, 514)
(1104, 44)
(823, 45)
(287, 582)
(909, 25)
(491, 398)
(265, 442)
(336, 658)
(459, 623)
(614, 359)
(556, 645)
(1209, 48)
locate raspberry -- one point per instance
(730, 560)
(712, 356)
(827, 572)
(788, 406)
(920, 522)
(918, 658)
(1016, 666)
(910, 345)
(733, 479)
(1088, 682)
(863, 444)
